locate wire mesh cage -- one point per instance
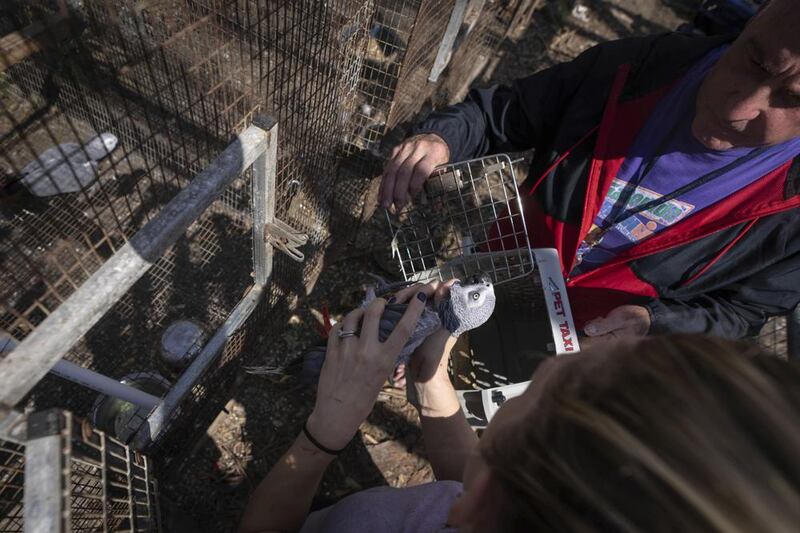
(173, 82)
(404, 42)
(109, 110)
(68, 476)
(12, 463)
(467, 220)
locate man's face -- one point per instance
(752, 95)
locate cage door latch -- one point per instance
(285, 238)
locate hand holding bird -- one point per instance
(466, 305)
(357, 366)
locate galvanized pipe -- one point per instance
(445, 52)
(36, 355)
(265, 172)
(44, 494)
(106, 385)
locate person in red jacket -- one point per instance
(665, 172)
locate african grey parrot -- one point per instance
(68, 167)
(469, 304)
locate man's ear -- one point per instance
(477, 509)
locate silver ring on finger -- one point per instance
(343, 334)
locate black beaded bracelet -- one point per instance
(316, 443)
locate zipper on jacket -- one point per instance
(596, 165)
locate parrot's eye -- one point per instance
(476, 295)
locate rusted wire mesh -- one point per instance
(12, 478)
(110, 487)
(106, 485)
(403, 42)
(173, 81)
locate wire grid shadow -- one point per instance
(467, 220)
(773, 337)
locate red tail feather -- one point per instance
(326, 325)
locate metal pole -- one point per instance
(106, 385)
(158, 419)
(44, 474)
(445, 52)
(264, 172)
(36, 355)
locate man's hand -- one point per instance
(412, 162)
(626, 321)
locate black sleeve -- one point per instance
(514, 118)
(528, 113)
(737, 311)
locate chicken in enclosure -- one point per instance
(469, 304)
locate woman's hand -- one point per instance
(449, 440)
(355, 368)
(434, 394)
(352, 375)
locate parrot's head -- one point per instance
(470, 304)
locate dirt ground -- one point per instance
(267, 410)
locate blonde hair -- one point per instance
(683, 433)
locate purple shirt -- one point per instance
(681, 160)
(418, 509)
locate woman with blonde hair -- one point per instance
(683, 433)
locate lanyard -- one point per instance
(594, 237)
